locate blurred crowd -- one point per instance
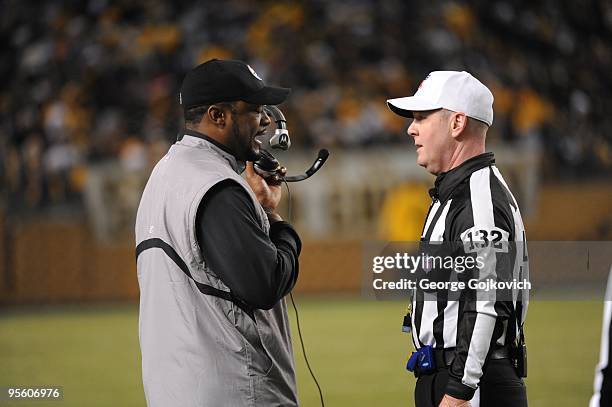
(93, 82)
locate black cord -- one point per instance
(297, 320)
(297, 317)
(288, 201)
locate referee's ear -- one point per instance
(458, 124)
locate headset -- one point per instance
(268, 166)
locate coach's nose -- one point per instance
(265, 119)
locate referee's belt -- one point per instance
(445, 357)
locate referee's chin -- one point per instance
(423, 162)
(430, 168)
(434, 167)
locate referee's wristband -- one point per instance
(459, 390)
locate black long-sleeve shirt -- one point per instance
(258, 269)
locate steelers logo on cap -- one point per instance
(254, 73)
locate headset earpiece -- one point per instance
(280, 139)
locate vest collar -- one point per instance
(214, 145)
(446, 182)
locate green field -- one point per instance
(355, 347)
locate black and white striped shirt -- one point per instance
(472, 202)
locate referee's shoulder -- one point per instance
(495, 190)
(486, 193)
(487, 184)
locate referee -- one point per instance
(602, 395)
(476, 347)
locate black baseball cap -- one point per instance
(219, 80)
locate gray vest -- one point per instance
(200, 349)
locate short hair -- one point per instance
(194, 115)
(478, 126)
(474, 125)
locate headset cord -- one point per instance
(297, 320)
(288, 200)
(297, 317)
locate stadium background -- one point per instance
(88, 103)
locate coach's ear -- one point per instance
(216, 115)
(458, 124)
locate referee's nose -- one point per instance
(411, 131)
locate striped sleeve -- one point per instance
(603, 373)
(482, 220)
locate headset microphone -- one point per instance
(268, 166)
(322, 157)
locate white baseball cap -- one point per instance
(452, 90)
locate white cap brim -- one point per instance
(405, 106)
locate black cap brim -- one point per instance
(407, 105)
(268, 95)
(400, 112)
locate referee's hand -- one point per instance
(449, 401)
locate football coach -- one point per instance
(476, 347)
(214, 258)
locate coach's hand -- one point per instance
(268, 192)
(449, 401)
